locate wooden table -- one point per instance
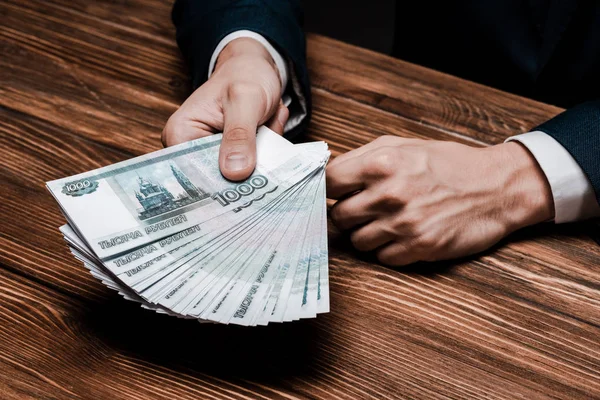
(88, 83)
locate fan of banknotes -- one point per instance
(168, 231)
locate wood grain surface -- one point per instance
(85, 84)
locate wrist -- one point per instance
(525, 192)
(246, 48)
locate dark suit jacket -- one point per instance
(544, 49)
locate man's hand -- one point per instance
(414, 200)
(243, 93)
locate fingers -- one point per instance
(381, 141)
(345, 178)
(370, 237)
(279, 119)
(242, 111)
(179, 129)
(351, 171)
(398, 254)
(353, 211)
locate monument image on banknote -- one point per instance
(155, 199)
(168, 231)
(157, 189)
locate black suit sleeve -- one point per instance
(201, 24)
(578, 131)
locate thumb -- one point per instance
(237, 155)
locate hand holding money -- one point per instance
(243, 92)
(168, 231)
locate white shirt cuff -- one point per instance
(279, 61)
(573, 194)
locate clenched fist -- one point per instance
(415, 200)
(243, 93)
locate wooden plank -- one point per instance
(37, 151)
(101, 80)
(420, 94)
(54, 347)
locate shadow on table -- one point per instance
(267, 355)
(262, 354)
(341, 246)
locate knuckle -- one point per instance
(412, 225)
(383, 162)
(391, 198)
(390, 229)
(237, 90)
(238, 134)
(384, 139)
(405, 225)
(174, 124)
(420, 162)
(436, 247)
(427, 243)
